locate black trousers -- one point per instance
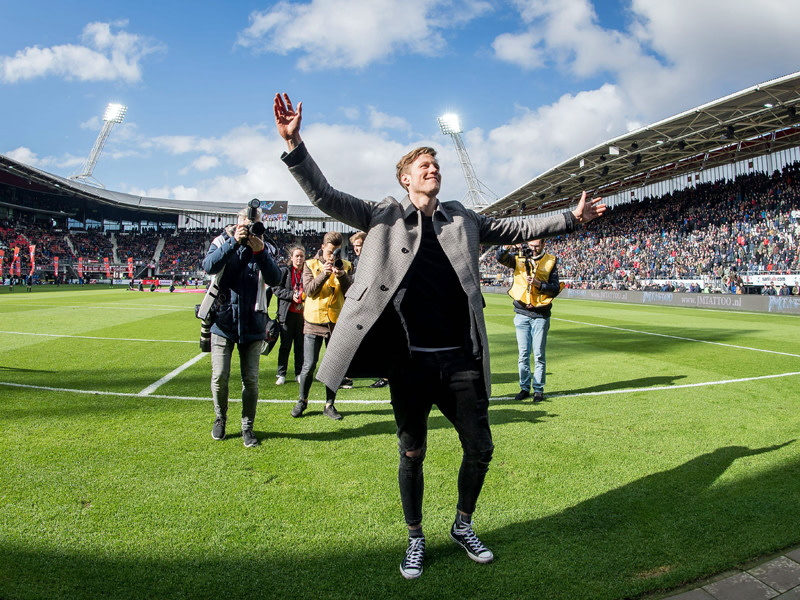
(454, 382)
(291, 335)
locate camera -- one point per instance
(205, 335)
(527, 252)
(256, 227)
(205, 327)
(337, 259)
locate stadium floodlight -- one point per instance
(115, 113)
(476, 192)
(449, 124)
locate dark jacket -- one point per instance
(284, 292)
(237, 318)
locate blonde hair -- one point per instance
(359, 235)
(408, 160)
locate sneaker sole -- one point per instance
(410, 575)
(213, 437)
(474, 557)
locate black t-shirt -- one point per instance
(434, 306)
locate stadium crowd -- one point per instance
(719, 231)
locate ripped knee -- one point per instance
(413, 458)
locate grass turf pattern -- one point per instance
(661, 454)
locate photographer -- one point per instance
(535, 285)
(241, 317)
(326, 279)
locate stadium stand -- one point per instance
(715, 232)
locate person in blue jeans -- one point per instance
(535, 285)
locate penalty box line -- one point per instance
(677, 337)
(171, 375)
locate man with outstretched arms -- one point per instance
(415, 315)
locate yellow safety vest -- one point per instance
(327, 305)
(540, 269)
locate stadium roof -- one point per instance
(759, 120)
(24, 176)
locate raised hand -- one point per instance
(287, 120)
(588, 211)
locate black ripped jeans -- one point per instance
(454, 382)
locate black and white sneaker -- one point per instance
(347, 384)
(218, 431)
(466, 538)
(299, 408)
(411, 567)
(249, 438)
(330, 411)
(379, 383)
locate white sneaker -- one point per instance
(411, 567)
(280, 381)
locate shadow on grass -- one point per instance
(436, 420)
(640, 382)
(21, 370)
(652, 534)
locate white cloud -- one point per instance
(204, 163)
(108, 53)
(668, 57)
(382, 121)
(356, 33)
(29, 157)
(519, 49)
(93, 124)
(24, 155)
(536, 140)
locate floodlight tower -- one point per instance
(478, 195)
(115, 113)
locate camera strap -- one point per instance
(213, 288)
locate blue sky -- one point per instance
(534, 81)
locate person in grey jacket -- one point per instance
(241, 319)
(415, 315)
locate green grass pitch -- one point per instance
(666, 450)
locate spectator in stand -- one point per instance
(290, 313)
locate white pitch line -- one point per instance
(92, 337)
(340, 401)
(676, 337)
(154, 386)
(99, 307)
(165, 397)
(663, 387)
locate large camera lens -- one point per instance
(337, 259)
(257, 229)
(205, 335)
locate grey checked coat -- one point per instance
(367, 336)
